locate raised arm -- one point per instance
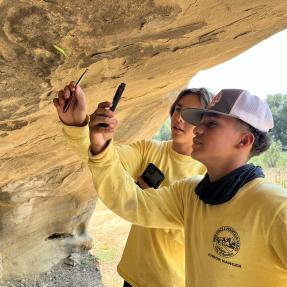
(161, 208)
(78, 133)
(75, 120)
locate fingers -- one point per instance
(103, 120)
(79, 97)
(111, 128)
(102, 123)
(104, 129)
(142, 184)
(102, 114)
(61, 98)
(72, 89)
(72, 86)
(59, 102)
(67, 92)
(105, 105)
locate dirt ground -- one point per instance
(96, 268)
(110, 233)
(79, 270)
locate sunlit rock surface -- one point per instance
(155, 47)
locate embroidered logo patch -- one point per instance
(215, 100)
(226, 241)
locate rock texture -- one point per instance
(155, 46)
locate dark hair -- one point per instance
(262, 140)
(204, 95)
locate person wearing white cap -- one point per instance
(148, 251)
(235, 221)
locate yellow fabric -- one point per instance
(239, 243)
(78, 139)
(150, 251)
(152, 257)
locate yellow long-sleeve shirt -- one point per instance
(238, 243)
(152, 257)
(152, 251)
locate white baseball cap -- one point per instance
(238, 104)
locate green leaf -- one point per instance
(60, 50)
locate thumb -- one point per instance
(79, 93)
(80, 97)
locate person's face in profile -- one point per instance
(216, 140)
(181, 131)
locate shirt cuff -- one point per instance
(77, 132)
(105, 155)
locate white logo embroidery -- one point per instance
(215, 100)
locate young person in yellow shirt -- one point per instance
(148, 251)
(234, 221)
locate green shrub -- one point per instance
(164, 132)
(273, 157)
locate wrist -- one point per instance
(96, 149)
(80, 123)
(83, 123)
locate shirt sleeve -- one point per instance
(160, 208)
(131, 156)
(78, 140)
(278, 235)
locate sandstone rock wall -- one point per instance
(155, 46)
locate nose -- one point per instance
(198, 129)
(178, 117)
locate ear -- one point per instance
(247, 140)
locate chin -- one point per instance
(196, 155)
(176, 138)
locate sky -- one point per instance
(262, 69)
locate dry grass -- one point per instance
(110, 234)
(277, 175)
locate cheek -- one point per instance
(225, 143)
(189, 129)
(173, 117)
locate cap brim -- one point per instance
(194, 116)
